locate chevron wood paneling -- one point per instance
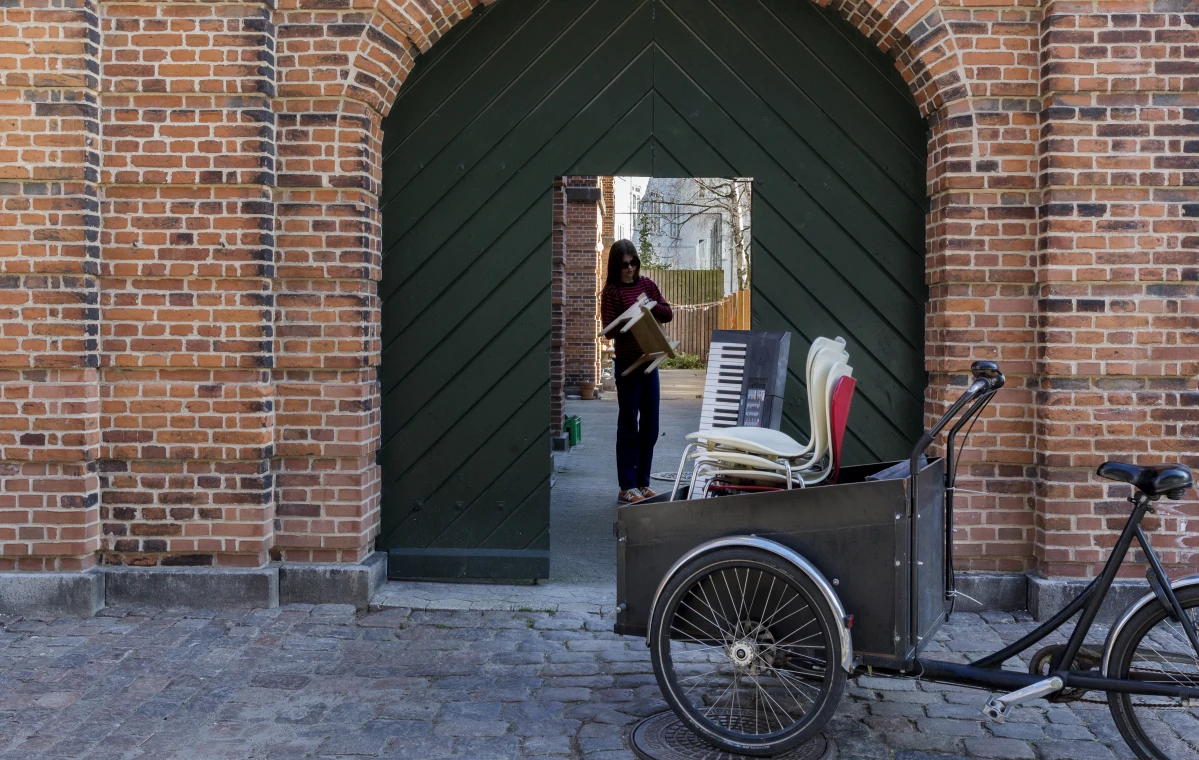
(524, 90)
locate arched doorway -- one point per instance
(525, 90)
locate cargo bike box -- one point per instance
(884, 562)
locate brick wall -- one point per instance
(583, 247)
(190, 267)
(1118, 275)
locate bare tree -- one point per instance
(729, 199)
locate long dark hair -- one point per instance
(616, 256)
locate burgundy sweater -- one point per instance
(615, 299)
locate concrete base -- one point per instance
(1046, 597)
(52, 594)
(332, 583)
(191, 587)
(991, 591)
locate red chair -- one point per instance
(838, 417)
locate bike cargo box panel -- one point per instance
(858, 533)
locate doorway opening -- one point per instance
(693, 238)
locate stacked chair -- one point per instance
(748, 459)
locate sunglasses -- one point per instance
(628, 265)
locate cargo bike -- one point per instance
(758, 607)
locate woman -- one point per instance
(637, 394)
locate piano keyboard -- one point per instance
(722, 386)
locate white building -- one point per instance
(627, 192)
(689, 224)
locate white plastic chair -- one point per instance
(771, 450)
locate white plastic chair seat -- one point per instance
(754, 440)
(752, 475)
(738, 459)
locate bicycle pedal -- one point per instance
(998, 708)
(996, 711)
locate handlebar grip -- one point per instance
(989, 372)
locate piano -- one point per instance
(747, 374)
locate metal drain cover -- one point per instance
(668, 476)
(664, 737)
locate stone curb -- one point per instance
(42, 594)
(191, 587)
(52, 594)
(332, 583)
(1046, 596)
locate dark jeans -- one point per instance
(637, 425)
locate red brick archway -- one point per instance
(963, 220)
(191, 246)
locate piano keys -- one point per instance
(746, 378)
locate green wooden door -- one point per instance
(525, 90)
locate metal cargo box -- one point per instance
(861, 534)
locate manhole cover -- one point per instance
(664, 737)
(669, 476)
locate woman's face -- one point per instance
(628, 268)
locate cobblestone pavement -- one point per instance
(322, 682)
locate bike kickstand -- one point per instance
(997, 708)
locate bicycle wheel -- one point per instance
(1153, 647)
(746, 651)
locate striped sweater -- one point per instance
(615, 299)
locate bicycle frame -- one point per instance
(987, 672)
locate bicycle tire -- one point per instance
(691, 628)
(1140, 719)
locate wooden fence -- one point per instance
(734, 311)
(692, 326)
(689, 286)
(699, 308)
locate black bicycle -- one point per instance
(758, 607)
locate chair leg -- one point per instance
(694, 479)
(674, 492)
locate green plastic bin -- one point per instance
(573, 427)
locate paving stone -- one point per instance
(320, 682)
(949, 727)
(990, 746)
(535, 746)
(1011, 730)
(466, 727)
(564, 694)
(1072, 750)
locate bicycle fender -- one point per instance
(791, 556)
(1140, 604)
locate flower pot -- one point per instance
(587, 390)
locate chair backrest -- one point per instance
(823, 360)
(818, 389)
(839, 416)
(835, 373)
(818, 345)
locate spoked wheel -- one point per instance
(746, 651)
(1153, 647)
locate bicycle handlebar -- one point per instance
(987, 380)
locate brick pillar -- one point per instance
(607, 214)
(1117, 294)
(186, 303)
(981, 259)
(328, 331)
(583, 245)
(49, 257)
(557, 309)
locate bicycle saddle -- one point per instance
(1168, 479)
